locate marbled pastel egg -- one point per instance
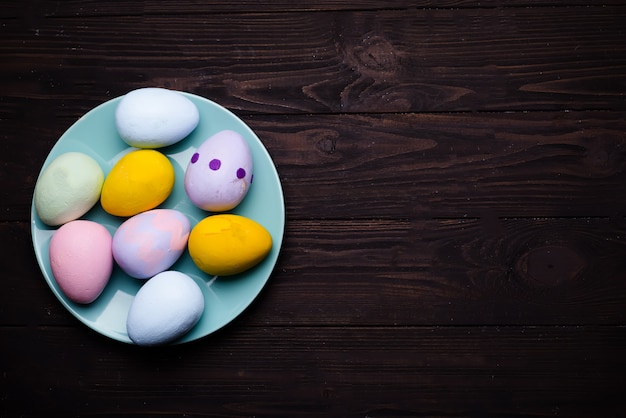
(67, 188)
(155, 117)
(219, 173)
(165, 308)
(150, 242)
(81, 259)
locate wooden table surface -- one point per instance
(454, 175)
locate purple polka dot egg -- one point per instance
(219, 173)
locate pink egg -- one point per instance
(81, 259)
(150, 242)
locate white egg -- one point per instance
(165, 308)
(219, 173)
(155, 117)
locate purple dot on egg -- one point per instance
(241, 173)
(194, 158)
(215, 164)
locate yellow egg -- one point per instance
(141, 180)
(227, 244)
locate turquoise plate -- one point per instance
(225, 298)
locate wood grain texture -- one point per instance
(81, 8)
(348, 372)
(332, 62)
(438, 166)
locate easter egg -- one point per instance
(141, 180)
(227, 244)
(165, 308)
(150, 242)
(155, 117)
(81, 259)
(67, 188)
(219, 174)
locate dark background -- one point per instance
(454, 175)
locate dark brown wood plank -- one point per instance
(347, 371)
(444, 272)
(26, 298)
(419, 60)
(481, 271)
(191, 6)
(81, 8)
(398, 166)
(460, 165)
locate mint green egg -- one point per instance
(67, 188)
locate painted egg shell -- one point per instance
(141, 180)
(165, 308)
(227, 244)
(81, 259)
(155, 117)
(219, 174)
(150, 242)
(67, 188)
